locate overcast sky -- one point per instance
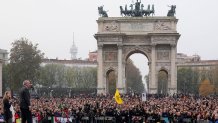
(51, 24)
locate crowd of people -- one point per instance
(168, 109)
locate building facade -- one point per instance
(3, 60)
(70, 63)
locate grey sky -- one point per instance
(51, 24)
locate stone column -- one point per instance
(120, 70)
(0, 78)
(101, 85)
(124, 78)
(152, 82)
(173, 85)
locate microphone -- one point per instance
(14, 97)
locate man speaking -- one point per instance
(25, 105)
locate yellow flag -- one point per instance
(117, 97)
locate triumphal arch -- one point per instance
(119, 37)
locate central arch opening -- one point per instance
(136, 72)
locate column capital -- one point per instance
(153, 45)
(100, 46)
(119, 46)
(173, 45)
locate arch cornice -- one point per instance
(164, 69)
(129, 50)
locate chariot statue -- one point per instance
(137, 10)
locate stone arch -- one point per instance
(108, 69)
(154, 37)
(164, 69)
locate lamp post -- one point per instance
(48, 91)
(51, 93)
(183, 87)
(70, 94)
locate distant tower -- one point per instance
(73, 50)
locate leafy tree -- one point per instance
(25, 59)
(72, 77)
(206, 88)
(89, 78)
(214, 78)
(215, 81)
(52, 74)
(147, 81)
(187, 80)
(5, 77)
(134, 78)
(85, 77)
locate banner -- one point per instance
(117, 97)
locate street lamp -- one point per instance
(48, 91)
(70, 94)
(51, 93)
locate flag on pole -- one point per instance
(117, 97)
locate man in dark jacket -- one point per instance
(25, 106)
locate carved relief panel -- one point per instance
(163, 55)
(111, 27)
(163, 52)
(162, 26)
(110, 56)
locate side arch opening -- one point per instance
(162, 82)
(111, 81)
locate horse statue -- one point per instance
(131, 11)
(172, 11)
(152, 10)
(102, 12)
(126, 12)
(142, 10)
(137, 10)
(147, 11)
(122, 11)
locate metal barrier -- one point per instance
(105, 119)
(187, 120)
(202, 121)
(137, 119)
(85, 120)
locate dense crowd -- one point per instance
(178, 109)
